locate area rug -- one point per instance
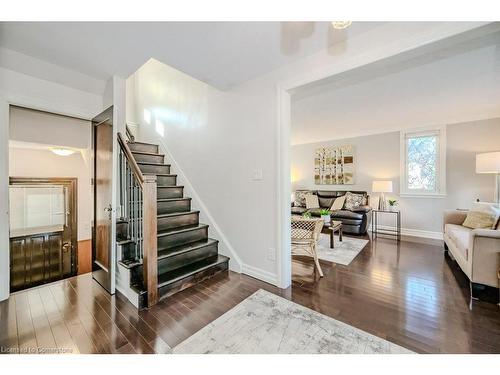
(266, 323)
(343, 253)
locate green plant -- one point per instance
(306, 215)
(392, 202)
(324, 212)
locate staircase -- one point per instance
(185, 254)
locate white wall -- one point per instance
(220, 138)
(377, 157)
(24, 90)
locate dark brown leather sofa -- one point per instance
(353, 221)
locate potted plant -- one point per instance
(306, 215)
(325, 215)
(393, 204)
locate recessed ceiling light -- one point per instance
(62, 151)
(339, 25)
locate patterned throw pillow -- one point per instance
(312, 201)
(300, 198)
(353, 201)
(482, 215)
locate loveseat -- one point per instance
(477, 251)
(354, 221)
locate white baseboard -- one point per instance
(415, 232)
(266, 276)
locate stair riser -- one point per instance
(169, 192)
(174, 206)
(178, 239)
(172, 263)
(128, 251)
(180, 285)
(166, 180)
(160, 169)
(122, 231)
(171, 222)
(190, 257)
(144, 158)
(143, 147)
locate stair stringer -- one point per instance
(225, 246)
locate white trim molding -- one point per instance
(266, 276)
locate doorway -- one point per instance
(43, 230)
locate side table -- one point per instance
(390, 232)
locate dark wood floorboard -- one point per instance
(408, 293)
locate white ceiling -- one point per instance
(449, 83)
(222, 54)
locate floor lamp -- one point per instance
(489, 162)
(382, 187)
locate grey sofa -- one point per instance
(353, 221)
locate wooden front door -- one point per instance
(43, 227)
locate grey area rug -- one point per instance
(343, 253)
(266, 323)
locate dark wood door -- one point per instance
(102, 265)
(44, 252)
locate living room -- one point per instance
(390, 155)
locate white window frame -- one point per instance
(440, 191)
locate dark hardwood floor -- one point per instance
(410, 294)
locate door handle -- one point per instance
(109, 209)
(66, 247)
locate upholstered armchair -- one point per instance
(305, 235)
(477, 251)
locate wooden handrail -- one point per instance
(147, 184)
(131, 160)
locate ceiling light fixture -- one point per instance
(62, 151)
(340, 25)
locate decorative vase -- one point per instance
(393, 208)
(326, 218)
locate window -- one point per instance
(423, 162)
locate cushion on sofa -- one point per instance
(298, 210)
(325, 202)
(300, 198)
(346, 214)
(338, 203)
(460, 236)
(315, 211)
(312, 201)
(353, 200)
(482, 215)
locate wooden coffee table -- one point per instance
(332, 227)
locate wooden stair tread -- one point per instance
(180, 213)
(173, 199)
(181, 273)
(181, 230)
(149, 163)
(147, 153)
(162, 254)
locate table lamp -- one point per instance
(489, 162)
(382, 187)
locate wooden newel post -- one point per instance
(149, 215)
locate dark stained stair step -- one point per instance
(178, 220)
(170, 205)
(173, 238)
(166, 179)
(154, 168)
(144, 147)
(166, 192)
(148, 157)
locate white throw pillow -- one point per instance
(312, 201)
(338, 203)
(482, 215)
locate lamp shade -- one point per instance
(382, 186)
(488, 162)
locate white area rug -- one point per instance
(266, 323)
(343, 253)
